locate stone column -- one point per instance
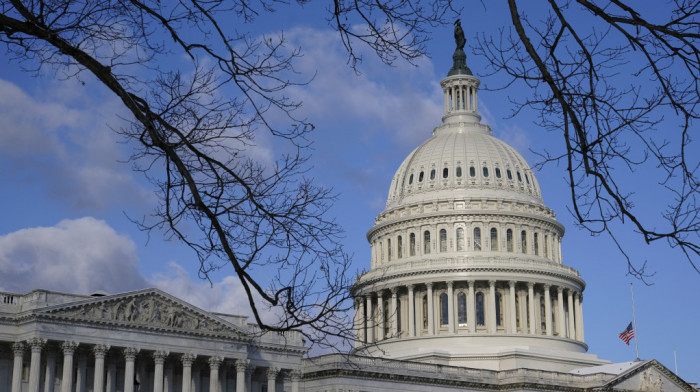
(241, 367)
(214, 364)
(548, 310)
(531, 307)
(511, 305)
(450, 307)
(169, 382)
(272, 378)
(112, 375)
(370, 320)
(359, 321)
(67, 379)
(431, 314)
(159, 360)
(50, 374)
(471, 308)
(100, 350)
(81, 378)
(570, 302)
(36, 345)
(129, 358)
(296, 377)
(579, 316)
(380, 315)
(187, 360)
(394, 313)
(411, 311)
(492, 307)
(560, 312)
(18, 350)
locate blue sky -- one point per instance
(66, 191)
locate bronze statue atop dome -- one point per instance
(459, 58)
(459, 35)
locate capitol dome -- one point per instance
(466, 266)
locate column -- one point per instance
(18, 350)
(511, 305)
(129, 358)
(570, 302)
(370, 320)
(450, 307)
(531, 306)
(380, 315)
(112, 375)
(81, 377)
(187, 360)
(471, 308)
(272, 378)
(68, 351)
(159, 360)
(50, 375)
(169, 382)
(431, 324)
(411, 311)
(359, 323)
(241, 366)
(548, 310)
(560, 312)
(36, 345)
(296, 377)
(394, 313)
(492, 307)
(579, 316)
(214, 363)
(100, 350)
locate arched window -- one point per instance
(412, 244)
(477, 238)
(432, 174)
(523, 241)
(385, 319)
(546, 245)
(472, 171)
(420, 177)
(410, 179)
(517, 173)
(543, 321)
(480, 319)
(509, 174)
(494, 239)
(498, 173)
(460, 238)
(509, 240)
(459, 171)
(527, 179)
(444, 173)
(399, 250)
(499, 309)
(425, 312)
(517, 312)
(444, 314)
(443, 240)
(381, 251)
(536, 245)
(398, 314)
(426, 242)
(486, 171)
(462, 309)
(388, 249)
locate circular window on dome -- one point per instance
(410, 180)
(432, 174)
(444, 173)
(498, 173)
(459, 171)
(472, 172)
(509, 174)
(486, 171)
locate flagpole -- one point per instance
(634, 323)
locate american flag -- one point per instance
(627, 334)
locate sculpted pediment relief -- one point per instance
(143, 309)
(650, 377)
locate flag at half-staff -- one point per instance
(627, 334)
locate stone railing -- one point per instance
(452, 373)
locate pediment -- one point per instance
(149, 308)
(649, 376)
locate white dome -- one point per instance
(463, 160)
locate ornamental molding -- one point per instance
(650, 379)
(148, 309)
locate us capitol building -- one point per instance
(467, 291)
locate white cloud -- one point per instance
(64, 143)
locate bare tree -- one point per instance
(608, 81)
(193, 124)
